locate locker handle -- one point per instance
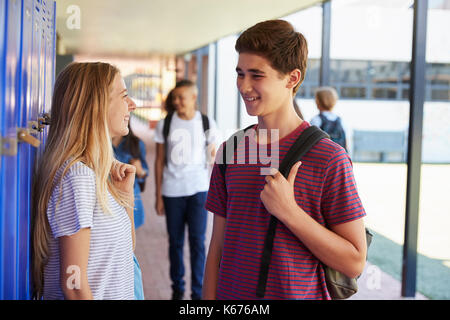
(24, 136)
(44, 120)
(41, 122)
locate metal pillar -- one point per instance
(199, 56)
(216, 61)
(324, 77)
(416, 98)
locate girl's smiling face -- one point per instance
(120, 106)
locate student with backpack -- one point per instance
(312, 210)
(184, 148)
(327, 120)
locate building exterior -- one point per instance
(370, 68)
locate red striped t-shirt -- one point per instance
(324, 188)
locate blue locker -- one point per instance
(2, 98)
(2, 68)
(35, 58)
(8, 171)
(50, 55)
(27, 56)
(26, 155)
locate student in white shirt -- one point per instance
(182, 182)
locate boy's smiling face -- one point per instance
(263, 89)
(184, 100)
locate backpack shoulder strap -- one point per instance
(166, 130)
(229, 148)
(205, 122)
(301, 146)
(323, 121)
(166, 126)
(322, 117)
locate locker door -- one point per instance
(42, 58)
(26, 155)
(35, 60)
(48, 43)
(8, 171)
(2, 95)
(2, 107)
(49, 52)
(44, 46)
(27, 42)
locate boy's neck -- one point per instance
(187, 115)
(285, 119)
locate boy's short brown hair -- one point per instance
(278, 42)
(326, 97)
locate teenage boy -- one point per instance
(318, 207)
(181, 176)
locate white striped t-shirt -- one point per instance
(110, 264)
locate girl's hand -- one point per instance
(122, 176)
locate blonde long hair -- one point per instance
(78, 132)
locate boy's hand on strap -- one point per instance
(278, 193)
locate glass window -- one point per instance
(369, 48)
(309, 23)
(301, 92)
(404, 72)
(311, 81)
(438, 81)
(384, 93)
(433, 261)
(443, 94)
(334, 71)
(353, 92)
(405, 94)
(353, 71)
(312, 71)
(438, 73)
(384, 72)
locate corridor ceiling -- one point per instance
(143, 28)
